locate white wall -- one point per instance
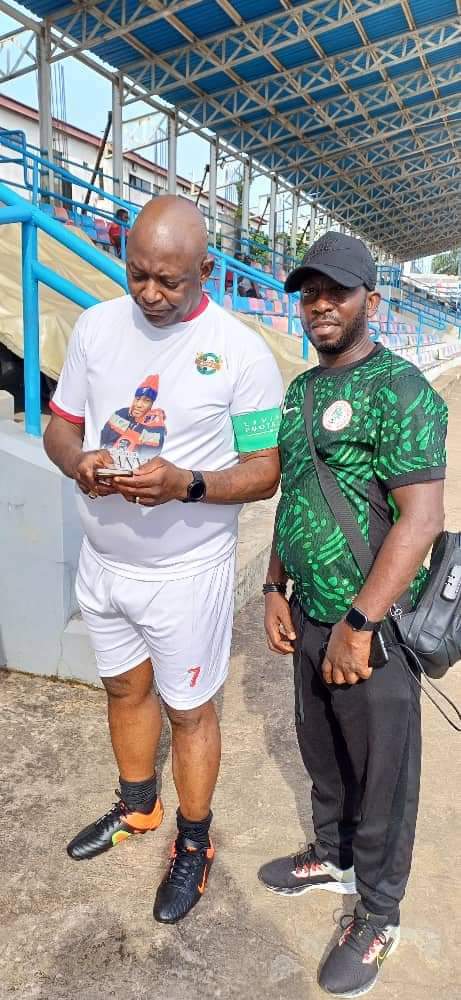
(81, 151)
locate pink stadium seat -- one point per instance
(61, 214)
(280, 323)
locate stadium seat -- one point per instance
(61, 214)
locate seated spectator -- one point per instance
(245, 286)
(115, 230)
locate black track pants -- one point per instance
(361, 745)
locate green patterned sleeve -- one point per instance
(411, 432)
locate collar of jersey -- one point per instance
(322, 370)
(198, 310)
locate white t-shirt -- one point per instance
(179, 392)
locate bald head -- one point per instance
(173, 223)
(167, 259)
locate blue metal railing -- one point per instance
(435, 312)
(31, 219)
(237, 269)
(17, 210)
(36, 168)
(389, 274)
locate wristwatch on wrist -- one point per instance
(359, 622)
(196, 490)
(274, 588)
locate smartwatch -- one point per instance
(359, 622)
(196, 490)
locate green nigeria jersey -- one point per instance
(378, 424)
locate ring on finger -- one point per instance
(137, 499)
(92, 495)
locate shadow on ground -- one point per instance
(86, 930)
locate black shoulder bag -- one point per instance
(430, 632)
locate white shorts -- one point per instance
(184, 626)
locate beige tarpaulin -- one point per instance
(286, 350)
(57, 314)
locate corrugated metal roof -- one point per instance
(356, 104)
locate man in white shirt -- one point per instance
(163, 383)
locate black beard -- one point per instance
(350, 335)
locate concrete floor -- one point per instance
(85, 931)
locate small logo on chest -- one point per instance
(208, 363)
(337, 416)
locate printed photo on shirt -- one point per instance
(136, 433)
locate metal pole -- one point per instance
(31, 326)
(419, 335)
(212, 197)
(290, 314)
(99, 156)
(312, 224)
(245, 234)
(222, 280)
(305, 346)
(172, 153)
(294, 227)
(117, 136)
(273, 218)
(44, 105)
(234, 290)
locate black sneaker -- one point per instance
(185, 880)
(299, 873)
(116, 825)
(353, 966)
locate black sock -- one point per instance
(139, 796)
(195, 829)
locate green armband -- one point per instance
(258, 430)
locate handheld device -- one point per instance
(379, 655)
(109, 473)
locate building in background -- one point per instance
(142, 179)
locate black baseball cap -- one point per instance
(343, 258)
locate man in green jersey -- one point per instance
(381, 429)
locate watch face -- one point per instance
(356, 619)
(196, 490)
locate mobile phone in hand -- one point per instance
(379, 655)
(109, 473)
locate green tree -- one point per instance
(446, 263)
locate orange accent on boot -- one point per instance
(210, 858)
(141, 822)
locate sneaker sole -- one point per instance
(361, 993)
(341, 888)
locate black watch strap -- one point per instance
(274, 588)
(359, 622)
(196, 490)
